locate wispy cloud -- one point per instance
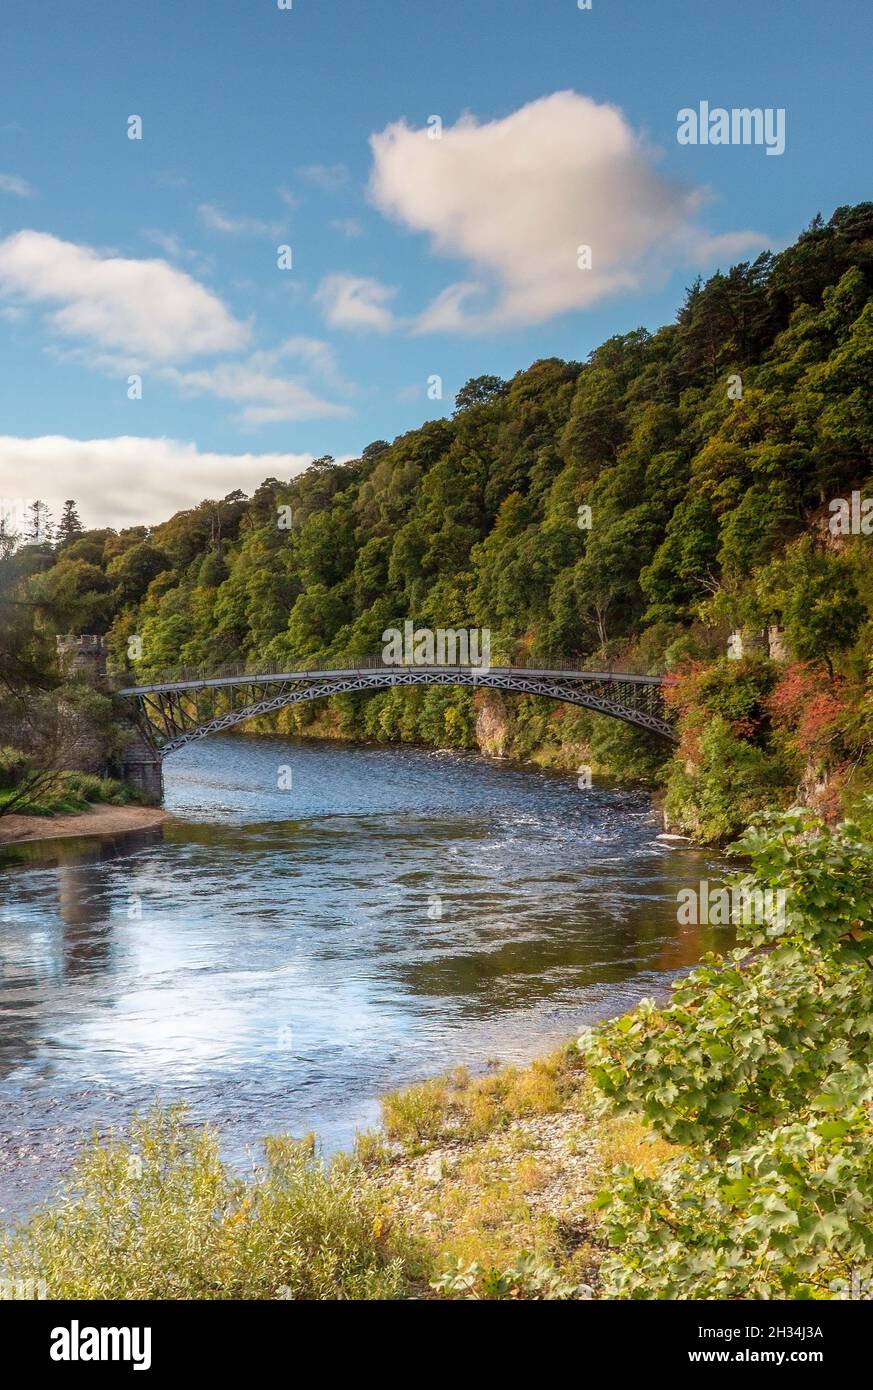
(318, 356)
(171, 178)
(175, 250)
(356, 301)
(266, 398)
(12, 183)
(217, 220)
(268, 395)
(330, 178)
(349, 226)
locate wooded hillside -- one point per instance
(708, 452)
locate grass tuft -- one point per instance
(456, 1107)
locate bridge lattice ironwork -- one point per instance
(185, 705)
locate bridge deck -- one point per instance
(242, 677)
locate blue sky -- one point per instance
(159, 257)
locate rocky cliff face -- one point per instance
(493, 733)
(548, 742)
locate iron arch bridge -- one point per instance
(190, 706)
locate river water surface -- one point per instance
(277, 958)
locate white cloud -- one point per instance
(515, 198)
(130, 480)
(147, 308)
(330, 178)
(217, 220)
(11, 183)
(356, 301)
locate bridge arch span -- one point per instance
(177, 712)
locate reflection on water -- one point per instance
(278, 958)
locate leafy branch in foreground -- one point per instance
(763, 1067)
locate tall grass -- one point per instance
(158, 1215)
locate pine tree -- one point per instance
(69, 526)
(39, 529)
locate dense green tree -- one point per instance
(133, 571)
(816, 594)
(479, 390)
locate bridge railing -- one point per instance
(183, 675)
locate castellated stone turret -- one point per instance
(82, 656)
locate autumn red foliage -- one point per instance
(811, 709)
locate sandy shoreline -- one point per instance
(98, 820)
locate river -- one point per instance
(279, 955)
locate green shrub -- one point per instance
(763, 1066)
(83, 788)
(713, 795)
(160, 1216)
